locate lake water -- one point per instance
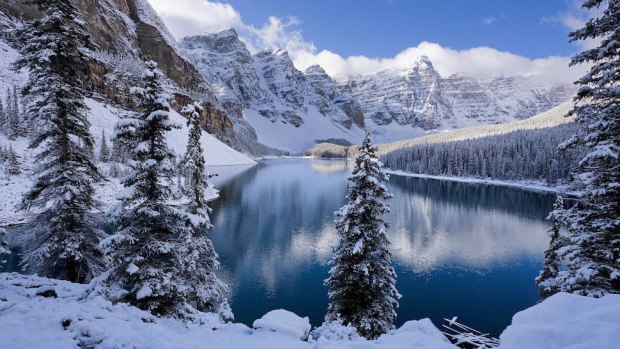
(466, 250)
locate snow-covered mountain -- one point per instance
(393, 104)
(419, 97)
(288, 109)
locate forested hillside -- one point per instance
(518, 155)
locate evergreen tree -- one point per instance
(116, 153)
(362, 290)
(16, 125)
(546, 280)
(3, 117)
(204, 291)
(143, 250)
(593, 251)
(104, 151)
(3, 153)
(13, 163)
(11, 132)
(64, 239)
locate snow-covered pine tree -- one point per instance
(13, 163)
(10, 129)
(143, 250)
(3, 117)
(593, 250)
(4, 155)
(362, 281)
(203, 289)
(104, 150)
(63, 238)
(16, 125)
(546, 280)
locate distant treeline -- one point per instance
(518, 155)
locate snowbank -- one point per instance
(43, 313)
(285, 322)
(566, 321)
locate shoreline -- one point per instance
(525, 185)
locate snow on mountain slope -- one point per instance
(216, 153)
(393, 104)
(226, 63)
(281, 135)
(418, 97)
(552, 117)
(8, 77)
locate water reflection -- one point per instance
(458, 248)
(438, 224)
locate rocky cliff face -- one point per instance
(325, 86)
(131, 29)
(267, 82)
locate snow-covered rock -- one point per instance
(284, 322)
(566, 321)
(325, 86)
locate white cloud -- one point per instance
(190, 17)
(277, 33)
(575, 17)
(479, 62)
(489, 20)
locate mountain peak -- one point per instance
(315, 69)
(225, 34)
(423, 62)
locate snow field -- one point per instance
(76, 316)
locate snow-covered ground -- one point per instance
(75, 319)
(102, 117)
(538, 186)
(43, 313)
(566, 321)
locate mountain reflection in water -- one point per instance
(461, 249)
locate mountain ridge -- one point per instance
(393, 104)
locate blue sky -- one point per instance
(379, 28)
(352, 37)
